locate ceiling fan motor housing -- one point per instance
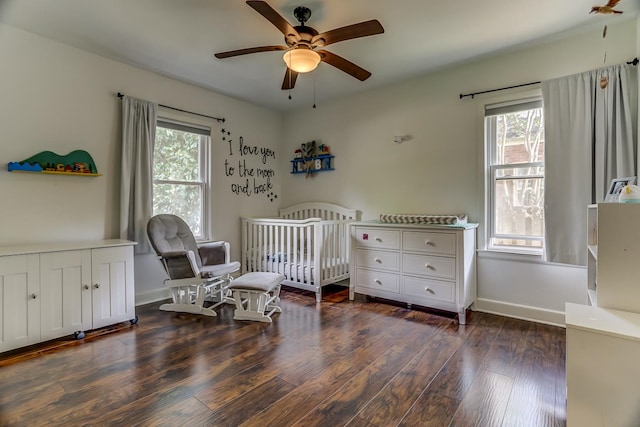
(302, 14)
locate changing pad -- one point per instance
(423, 219)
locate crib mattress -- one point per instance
(303, 272)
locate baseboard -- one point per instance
(517, 311)
(152, 296)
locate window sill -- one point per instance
(528, 257)
(511, 254)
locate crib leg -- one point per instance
(319, 295)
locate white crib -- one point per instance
(309, 243)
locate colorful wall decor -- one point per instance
(77, 162)
(311, 158)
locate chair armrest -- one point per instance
(214, 253)
(180, 264)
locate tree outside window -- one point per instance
(179, 174)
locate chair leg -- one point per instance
(188, 299)
(252, 304)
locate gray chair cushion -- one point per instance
(257, 281)
(169, 233)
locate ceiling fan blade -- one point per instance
(238, 52)
(363, 29)
(275, 18)
(289, 81)
(344, 65)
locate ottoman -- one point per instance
(256, 296)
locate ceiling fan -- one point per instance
(302, 41)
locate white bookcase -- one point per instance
(603, 339)
(603, 348)
(613, 265)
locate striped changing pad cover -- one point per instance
(423, 219)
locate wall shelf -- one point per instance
(59, 173)
(77, 163)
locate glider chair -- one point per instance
(196, 273)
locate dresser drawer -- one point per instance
(379, 260)
(431, 266)
(377, 238)
(428, 242)
(429, 289)
(387, 282)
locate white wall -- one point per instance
(58, 98)
(439, 169)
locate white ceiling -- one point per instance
(179, 37)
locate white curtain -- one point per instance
(590, 138)
(138, 138)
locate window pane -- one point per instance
(519, 137)
(519, 171)
(519, 207)
(182, 200)
(176, 156)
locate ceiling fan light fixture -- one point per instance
(301, 59)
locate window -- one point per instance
(515, 139)
(180, 173)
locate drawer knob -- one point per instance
(427, 242)
(378, 281)
(33, 295)
(429, 266)
(378, 260)
(428, 289)
(97, 285)
(86, 287)
(378, 239)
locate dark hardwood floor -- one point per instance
(360, 363)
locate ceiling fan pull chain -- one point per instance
(289, 73)
(314, 91)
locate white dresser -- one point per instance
(51, 290)
(428, 265)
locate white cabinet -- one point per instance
(66, 287)
(48, 291)
(427, 265)
(613, 254)
(603, 349)
(113, 294)
(19, 301)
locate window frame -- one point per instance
(510, 104)
(204, 182)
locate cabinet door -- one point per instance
(19, 301)
(113, 293)
(65, 283)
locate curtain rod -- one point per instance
(219, 119)
(472, 95)
(634, 62)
